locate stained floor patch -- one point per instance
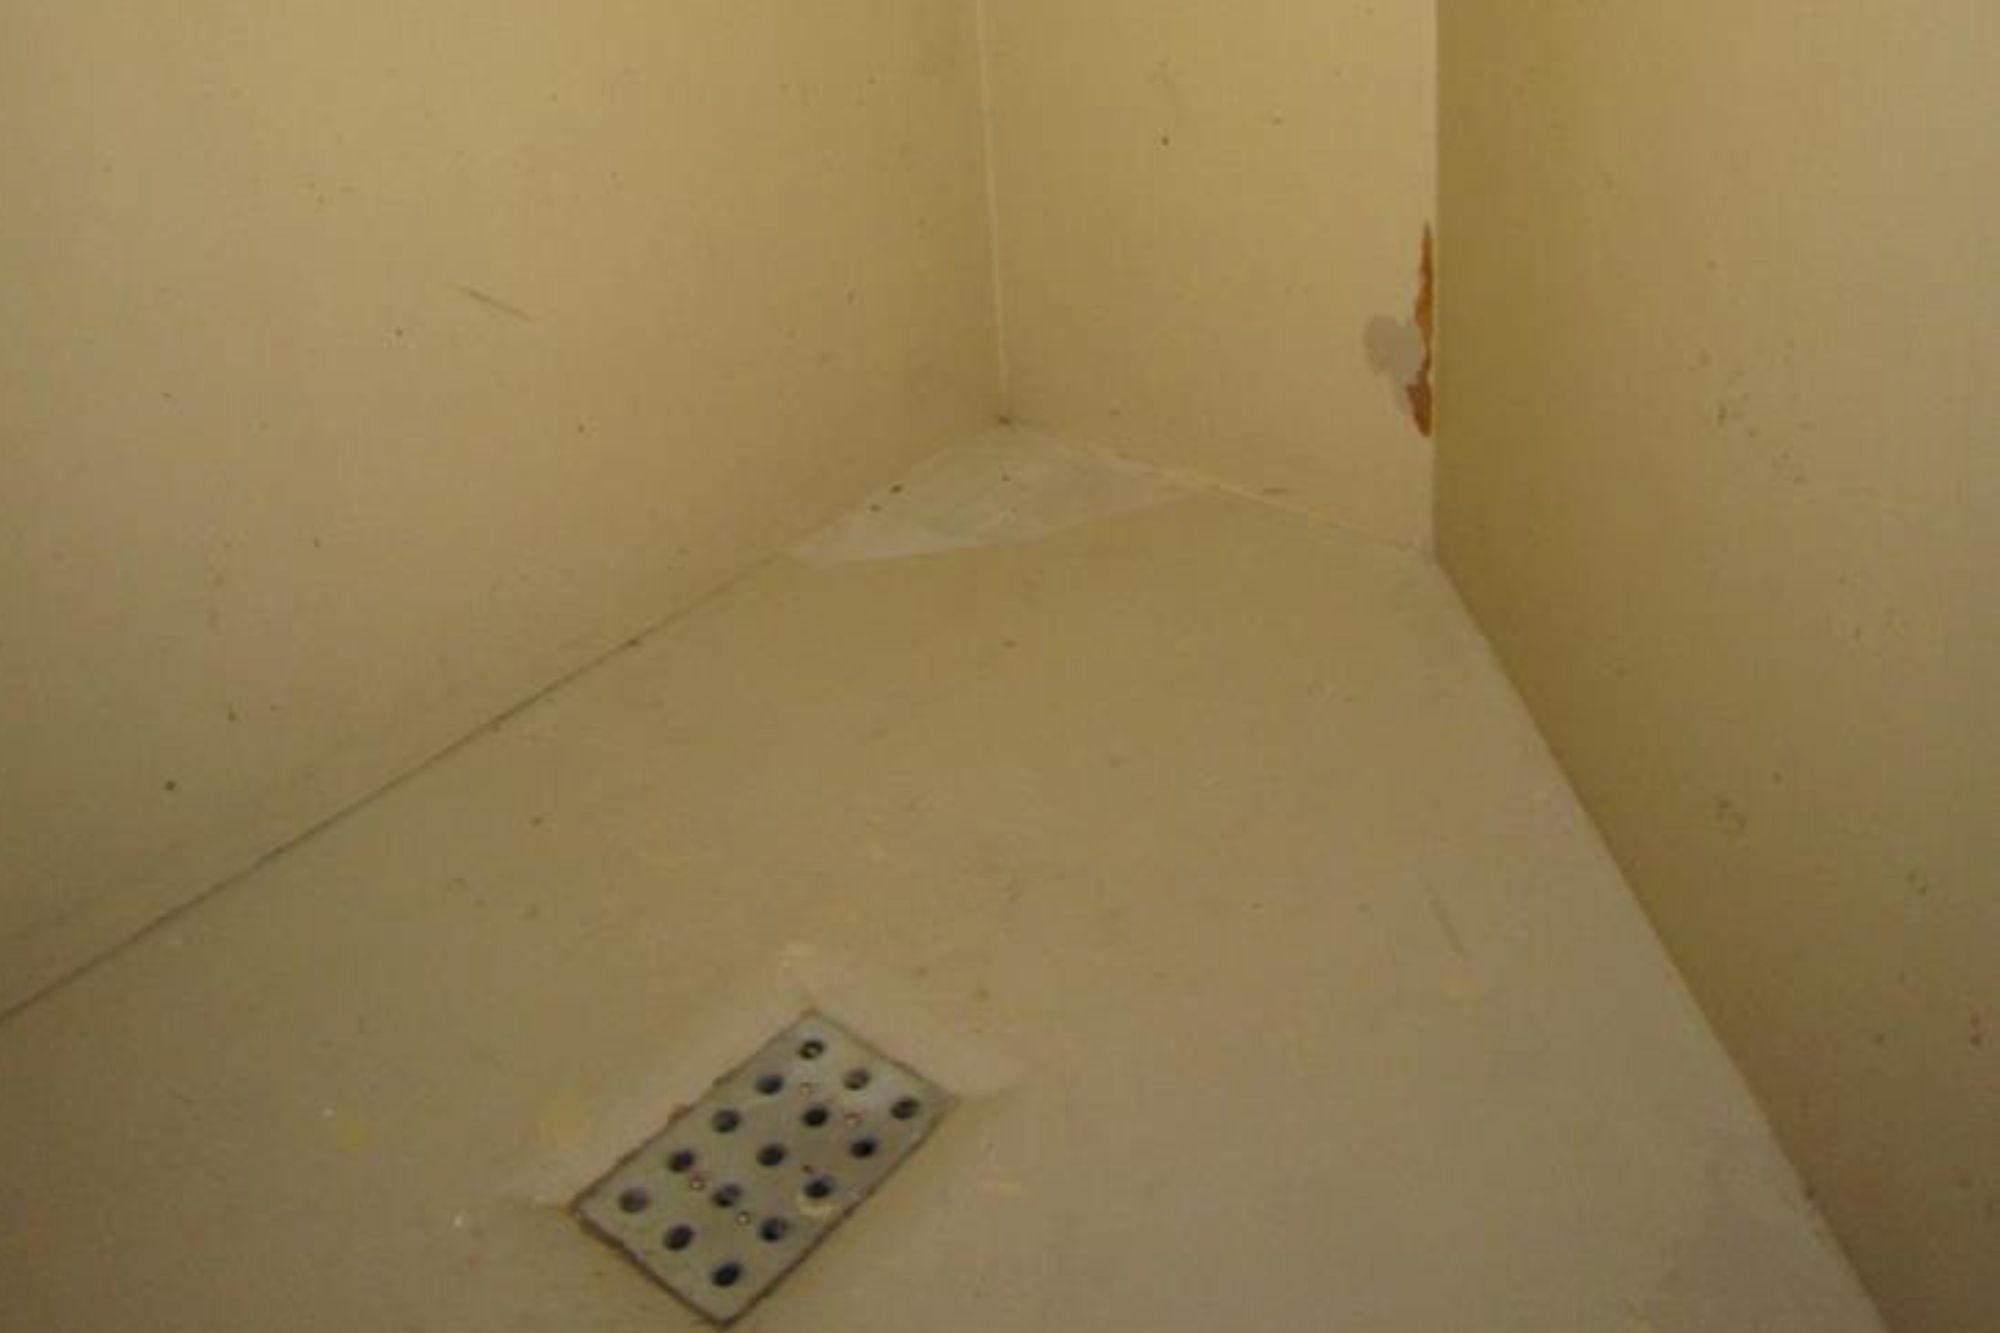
(1006, 488)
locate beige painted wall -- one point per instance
(1720, 474)
(1202, 207)
(366, 366)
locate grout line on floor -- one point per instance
(1194, 481)
(215, 890)
(1312, 516)
(1497, 663)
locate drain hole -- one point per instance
(771, 1085)
(728, 1196)
(816, 1116)
(907, 1109)
(864, 1147)
(681, 1162)
(820, 1187)
(774, 1229)
(679, 1239)
(727, 1275)
(772, 1154)
(725, 1121)
(635, 1201)
(812, 1050)
(857, 1079)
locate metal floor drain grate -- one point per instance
(739, 1188)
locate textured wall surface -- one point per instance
(1719, 475)
(1211, 218)
(364, 367)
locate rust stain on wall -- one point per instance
(1422, 395)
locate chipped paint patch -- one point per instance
(1420, 388)
(1401, 350)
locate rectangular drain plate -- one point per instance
(741, 1186)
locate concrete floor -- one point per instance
(1203, 850)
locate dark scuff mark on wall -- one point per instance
(492, 302)
(1731, 816)
(1422, 394)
